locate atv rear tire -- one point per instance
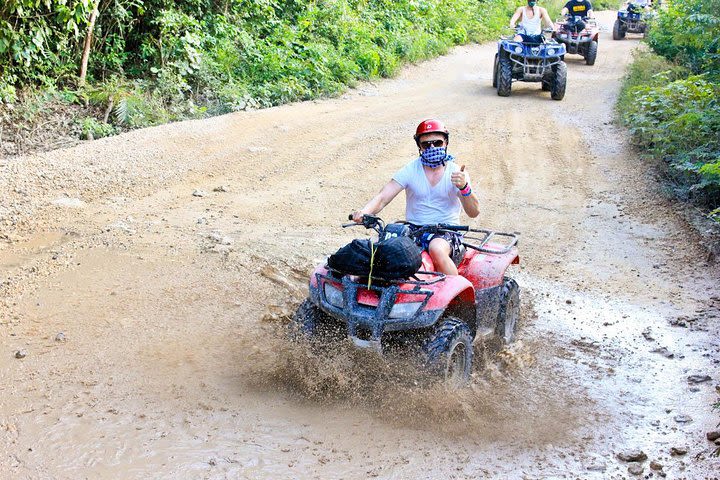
(509, 312)
(449, 351)
(591, 53)
(504, 79)
(559, 81)
(313, 324)
(495, 71)
(618, 32)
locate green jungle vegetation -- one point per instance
(155, 61)
(150, 62)
(671, 98)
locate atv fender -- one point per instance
(456, 298)
(596, 37)
(452, 289)
(486, 270)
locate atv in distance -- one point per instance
(579, 35)
(632, 18)
(434, 315)
(530, 62)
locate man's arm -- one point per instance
(547, 19)
(565, 10)
(470, 202)
(515, 17)
(379, 201)
(589, 13)
(471, 205)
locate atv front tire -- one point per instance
(618, 32)
(504, 79)
(495, 71)
(509, 312)
(559, 81)
(591, 54)
(313, 324)
(547, 82)
(449, 351)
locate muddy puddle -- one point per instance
(502, 396)
(27, 250)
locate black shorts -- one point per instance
(457, 249)
(531, 39)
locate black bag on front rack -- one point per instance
(352, 259)
(395, 258)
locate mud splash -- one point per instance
(510, 390)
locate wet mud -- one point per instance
(501, 399)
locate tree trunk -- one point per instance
(86, 47)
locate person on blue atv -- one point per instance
(637, 6)
(531, 18)
(436, 188)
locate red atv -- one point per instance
(580, 36)
(441, 315)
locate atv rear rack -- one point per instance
(490, 235)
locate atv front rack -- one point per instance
(366, 323)
(437, 277)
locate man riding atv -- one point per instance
(576, 13)
(435, 190)
(578, 31)
(531, 17)
(575, 8)
(435, 304)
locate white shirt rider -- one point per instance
(430, 133)
(429, 204)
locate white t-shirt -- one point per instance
(532, 25)
(426, 205)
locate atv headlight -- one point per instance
(518, 49)
(563, 35)
(334, 296)
(404, 310)
(551, 51)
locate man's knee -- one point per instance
(439, 246)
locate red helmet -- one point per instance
(430, 126)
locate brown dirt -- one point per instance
(172, 365)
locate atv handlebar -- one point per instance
(377, 224)
(368, 221)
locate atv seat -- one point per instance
(459, 255)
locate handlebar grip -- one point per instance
(350, 216)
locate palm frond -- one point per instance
(122, 112)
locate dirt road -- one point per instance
(142, 277)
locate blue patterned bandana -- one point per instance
(434, 157)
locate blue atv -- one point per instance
(630, 19)
(540, 61)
